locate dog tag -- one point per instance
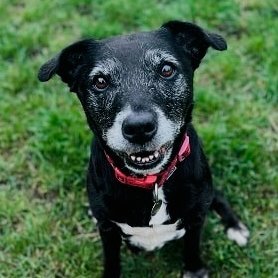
(156, 207)
(157, 203)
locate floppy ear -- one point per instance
(67, 63)
(194, 39)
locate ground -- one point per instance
(44, 139)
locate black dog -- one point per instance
(148, 179)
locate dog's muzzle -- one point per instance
(143, 139)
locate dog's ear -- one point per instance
(67, 63)
(194, 39)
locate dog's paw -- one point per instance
(239, 234)
(201, 273)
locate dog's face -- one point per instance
(136, 90)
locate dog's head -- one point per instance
(136, 90)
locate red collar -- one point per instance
(149, 181)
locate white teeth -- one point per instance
(132, 157)
(149, 158)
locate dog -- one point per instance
(148, 179)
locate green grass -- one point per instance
(44, 139)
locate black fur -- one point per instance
(189, 192)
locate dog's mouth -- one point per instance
(146, 159)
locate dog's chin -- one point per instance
(148, 162)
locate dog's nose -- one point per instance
(139, 127)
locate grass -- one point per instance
(44, 139)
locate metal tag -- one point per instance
(156, 207)
(157, 203)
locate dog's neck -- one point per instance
(149, 181)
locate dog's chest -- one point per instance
(156, 234)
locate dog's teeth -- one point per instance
(149, 158)
(132, 157)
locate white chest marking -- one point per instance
(157, 234)
(153, 237)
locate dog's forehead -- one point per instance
(134, 46)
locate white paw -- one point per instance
(201, 273)
(239, 235)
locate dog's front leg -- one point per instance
(193, 265)
(111, 242)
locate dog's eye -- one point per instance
(100, 83)
(167, 71)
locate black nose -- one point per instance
(139, 127)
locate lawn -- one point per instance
(44, 138)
